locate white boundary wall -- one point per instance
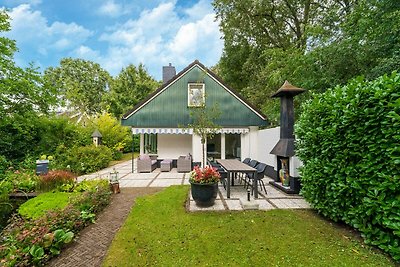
(267, 139)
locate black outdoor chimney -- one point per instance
(285, 145)
(168, 73)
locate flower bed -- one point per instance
(30, 242)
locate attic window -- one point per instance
(196, 94)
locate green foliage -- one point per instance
(34, 241)
(131, 86)
(40, 205)
(20, 89)
(114, 136)
(80, 83)
(86, 159)
(349, 142)
(315, 45)
(25, 181)
(58, 132)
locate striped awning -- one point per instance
(184, 131)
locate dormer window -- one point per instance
(196, 94)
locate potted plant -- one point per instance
(204, 185)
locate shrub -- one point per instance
(34, 242)
(349, 142)
(55, 178)
(86, 159)
(38, 206)
(25, 181)
(115, 136)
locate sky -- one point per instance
(115, 33)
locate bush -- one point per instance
(86, 159)
(349, 142)
(34, 242)
(55, 178)
(24, 180)
(115, 136)
(38, 206)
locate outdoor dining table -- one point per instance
(233, 166)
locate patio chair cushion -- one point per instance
(144, 157)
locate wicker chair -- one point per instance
(146, 164)
(184, 163)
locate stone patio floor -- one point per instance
(274, 199)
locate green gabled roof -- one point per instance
(167, 106)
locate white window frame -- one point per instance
(192, 90)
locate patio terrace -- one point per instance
(275, 199)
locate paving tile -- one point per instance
(141, 176)
(165, 182)
(218, 206)
(134, 183)
(280, 203)
(170, 175)
(264, 204)
(234, 204)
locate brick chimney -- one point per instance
(168, 73)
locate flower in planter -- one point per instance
(207, 175)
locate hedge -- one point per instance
(349, 142)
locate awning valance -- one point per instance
(184, 131)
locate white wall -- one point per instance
(197, 151)
(171, 146)
(267, 139)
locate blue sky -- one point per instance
(115, 33)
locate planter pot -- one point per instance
(204, 194)
(115, 188)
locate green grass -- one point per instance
(159, 232)
(125, 157)
(38, 206)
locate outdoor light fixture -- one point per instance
(114, 181)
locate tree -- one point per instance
(80, 83)
(203, 125)
(129, 88)
(21, 90)
(315, 44)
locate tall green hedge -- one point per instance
(349, 142)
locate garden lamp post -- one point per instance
(114, 181)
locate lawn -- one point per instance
(125, 157)
(159, 232)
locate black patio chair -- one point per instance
(221, 171)
(259, 175)
(242, 175)
(246, 161)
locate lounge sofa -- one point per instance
(184, 163)
(146, 164)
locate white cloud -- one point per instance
(112, 9)
(30, 28)
(161, 35)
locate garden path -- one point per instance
(90, 248)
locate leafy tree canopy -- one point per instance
(21, 89)
(313, 44)
(80, 83)
(131, 86)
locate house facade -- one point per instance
(162, 118)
